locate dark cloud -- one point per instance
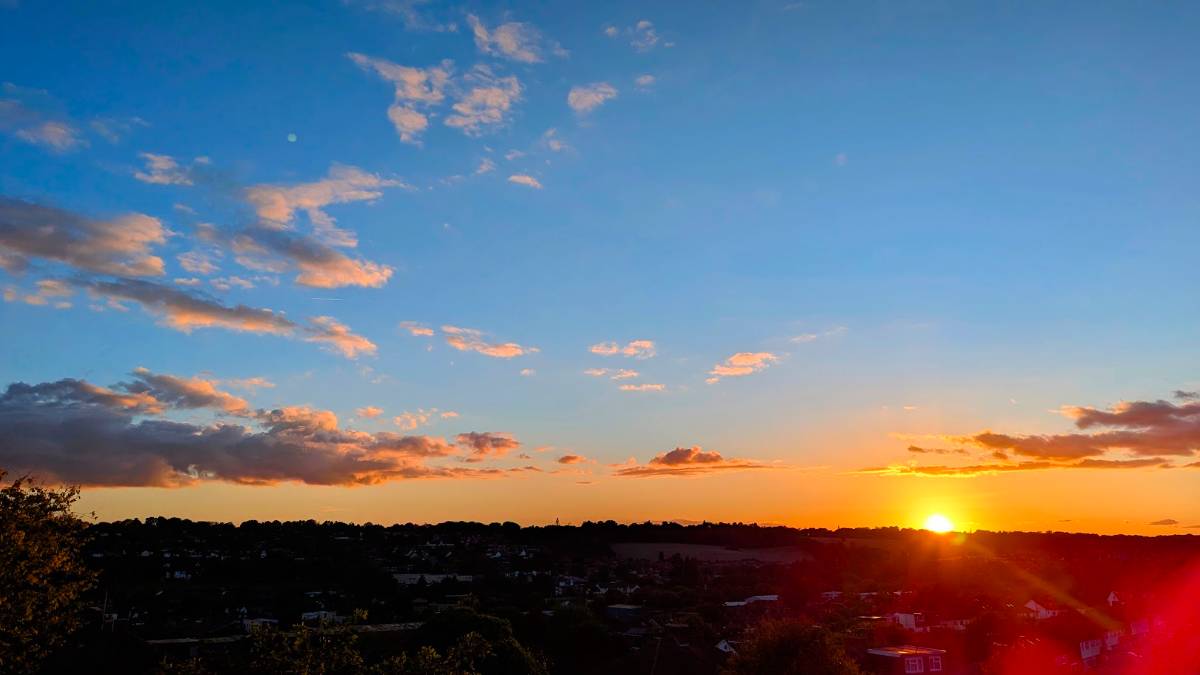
(571, 459)
(937, 451)
(1186, 395)
(685, 462)
(76, 432)
(1147, 428)
(120, 246)
(486, 444)
(1165, 521)
(189, 310)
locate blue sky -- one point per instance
(932, 218)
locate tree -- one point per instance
(42, 572)
(789, 647)
(325, 650)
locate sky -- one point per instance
(810, 263)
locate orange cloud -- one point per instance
(522, 179)
(121, 246)
(416, 329)
(187, 312)
(571, 459)
(471, 340)
(685, 462)
(369, 412)
(643, 387)
(73, 431)
(970, 471)
(740, 364)
(486, 445)
(639, 349)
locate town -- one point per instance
(180, 596)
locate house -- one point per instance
(1039, 611)
(726, 647)
(623, 612)
(906, 660)
(1090, 649)
(1112, 599)
(914, 621)
(752, 599)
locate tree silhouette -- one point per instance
(790, 647)
(42, 573)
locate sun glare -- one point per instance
(938, 523)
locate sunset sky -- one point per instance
(811, 263)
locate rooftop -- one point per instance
(905, 650)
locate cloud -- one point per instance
(369, 412)
(973, 470)
(643, 387)
(23, 114)
(1165, 521)
(642, 36)
(644, 82)
(416, 329)
(273, 245)
(638, 349)
(184, 393)
(513, 40)
(553, 141)
(938, 451)
(471, 340)
(1147, 428)
(486, 445)
(741, 364)
(585, 98)
(249, 383)
(413, 420)
(485, 101)
(410, 12)
(75, 432)
(571, 459)
(522, 179)
(528, 372)
(416, 89)
(615, 374)
(120, 246)
(48, 291)
(805, 338)
(448, 415)
(338, 338)
(163, 170)
(197, 262)
(187, 311)
(685, 462)
(486, 165)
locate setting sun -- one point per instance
(938, 523)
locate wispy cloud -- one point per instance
(587, 97)
(643, 387)
(163, 170)
(188, 311)
(741, 364)
(513, 40)
(485, 103)
(416, 90)
(804, 338)
(642, 36)
(523, 179)
(638, 349)
(471, 340)
(416, 329)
